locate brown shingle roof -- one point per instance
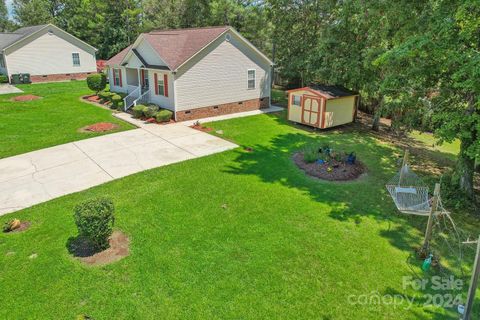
(178, 45)
(117, 59)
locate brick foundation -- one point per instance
(60, 77)
(221, 109)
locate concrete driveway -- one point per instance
(39, 176)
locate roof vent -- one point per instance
(50, 32)
(228, 37)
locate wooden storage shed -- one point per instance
(322, 106)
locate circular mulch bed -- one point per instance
(27, 97)
(81, 249)
(100, 127)
(339, 171)
(201, 128)
(24, 225)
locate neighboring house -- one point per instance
(47, 53)
(196, 73)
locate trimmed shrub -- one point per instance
(150, 111)
(97, 82)
(164, 115)
(117, 101)
(3, 78)
(94, 219)
(138, 110)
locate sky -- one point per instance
(9, 7)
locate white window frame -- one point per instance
(73, 59)
(116, 77)
(161, 90)
(254, 79)
(299, 100)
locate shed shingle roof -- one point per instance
(9, 38)
(176, 46)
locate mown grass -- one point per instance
(233, 235)
(52, 120)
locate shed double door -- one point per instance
(311, 111)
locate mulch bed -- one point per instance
(201, 128)
(118, 250)
(100, 127)
(24, 225)
(340, 170)
(27, 97)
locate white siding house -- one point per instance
(47, 53)
(194, 72)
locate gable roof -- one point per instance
(328, 92)
(9, 38)
(176, 46)
(118, 58)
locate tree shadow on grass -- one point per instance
(348, 201)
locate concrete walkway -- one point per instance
(39, 176)
(6, 88)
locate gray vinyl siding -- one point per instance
(218, 75)
(50, 54)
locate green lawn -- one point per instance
(236, 235)
(279, 97)
(52, 120)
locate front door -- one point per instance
(311, 110)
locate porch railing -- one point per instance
(129, 100)
(144, 98)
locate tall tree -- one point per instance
(35, 12)
(437, 70)
(5, 23)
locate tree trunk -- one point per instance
(377, 112)
(464, 170)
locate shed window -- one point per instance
(297, 100)
(251, 79)
(76, 59)
(2, 63)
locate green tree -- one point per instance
(436, 71)
(35, 12)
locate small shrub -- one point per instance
(150, 111)
(310, 154)
(164, 115)
(3, 78)
(117, 101)
(138, 110)
(97, 82)
(94, 219)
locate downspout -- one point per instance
(174, 73)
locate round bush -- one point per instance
(3, 78)
(117, 100)
(164, 115)
(97, 82)
(138, 110)
(94, 219)
(150, 111)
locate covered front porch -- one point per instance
(138, 87)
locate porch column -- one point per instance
(139, 81)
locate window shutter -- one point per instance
(165, 84)
(120, 77)
(113, 76)
(156, 83)
(142, 75)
